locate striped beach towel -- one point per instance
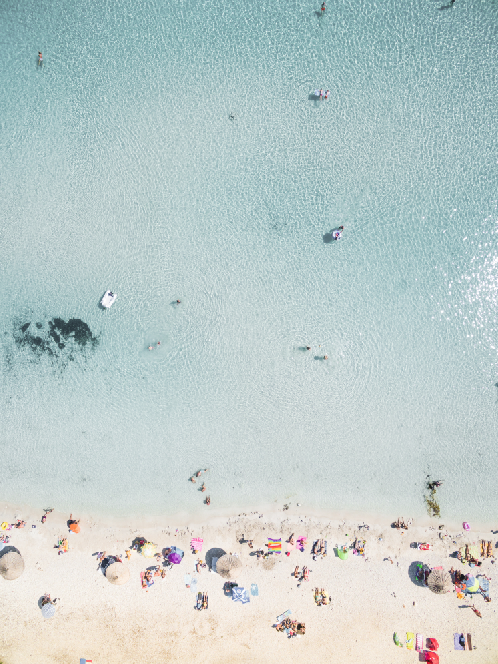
(196, 544)
(275, 545)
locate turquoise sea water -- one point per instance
(121, 169)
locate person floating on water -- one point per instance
(327, 94)
(337, 234)
(321, 94)
(40, 58)
(323, 6)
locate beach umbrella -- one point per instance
(11, 565)
(439, 581)
(117, 573)
(175, 558)
(227, 565)
(431, 657)
(48, 610)
(149, 550)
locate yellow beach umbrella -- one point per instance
(149, 550)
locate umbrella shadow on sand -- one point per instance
(9, 549)
(413, 570)
(213, 553)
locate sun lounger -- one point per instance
(419, 642)
(456, 641)
(410, 641)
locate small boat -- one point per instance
(108, 299)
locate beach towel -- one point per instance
(474, 551)
(483, 584)
(240, 595)
(193, 586)
(187, 578)
(456, 641)
(254, 589)
(275, 545)
(301, 543)
(469, 642)
(284, 615)
(196, 544)
(396, 640)
(410, 640)
(419, 642)
(147, 583)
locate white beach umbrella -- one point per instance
(117, 573)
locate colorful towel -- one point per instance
(196, 543)
(301, 543)
(410, 640)
(456, 641)
(275, 545)
(396, 640)
(419, 642)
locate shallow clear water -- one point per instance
(121, 169)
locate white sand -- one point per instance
(370, 598)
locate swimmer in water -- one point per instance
(323, 6)
(321, 95)
(40, 58)
(327, 94)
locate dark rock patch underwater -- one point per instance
(54, 336)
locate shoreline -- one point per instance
(208, 514)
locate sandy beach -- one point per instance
(370, 596)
